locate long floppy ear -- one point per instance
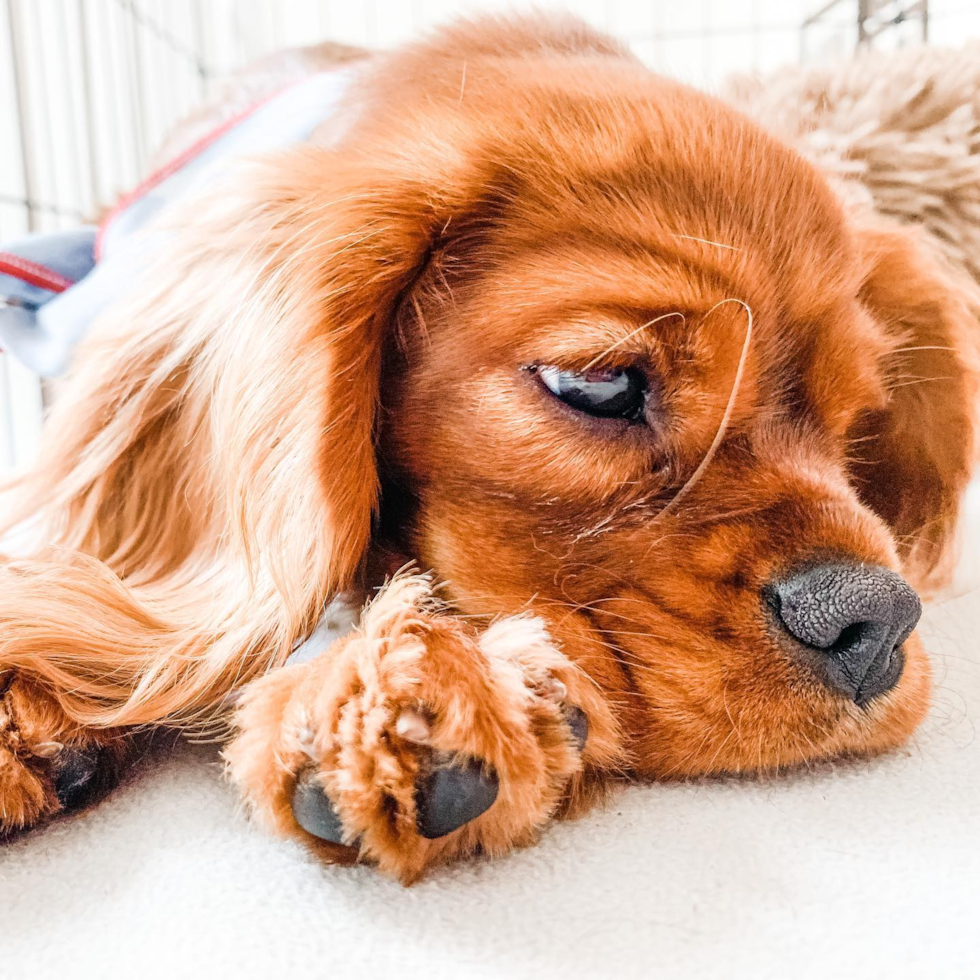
(915, 457)
(213, 450)
(208, 475)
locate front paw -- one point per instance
(48, 764)
(414, 740)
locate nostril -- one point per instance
(848, 622)
(850, 635)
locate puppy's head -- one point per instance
(624, 359)
(655, 379)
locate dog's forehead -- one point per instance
(653, 231)
(648, 155)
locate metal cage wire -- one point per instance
(88, 88)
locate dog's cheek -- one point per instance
(482, 549)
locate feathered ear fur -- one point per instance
(915, 457)
(207, 478)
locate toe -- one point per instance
(47, 750)
(553, 689)
(412, 726)
(452, 795)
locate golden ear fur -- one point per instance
(916, 457)
(207, 477)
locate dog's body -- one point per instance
(665, 413)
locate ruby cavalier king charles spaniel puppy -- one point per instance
(596, 394)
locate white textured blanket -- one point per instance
(863, 870)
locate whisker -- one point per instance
(707, 241)
(736, 728)
(726, 417)
(916, 381)
(645, 635)
(905, 350)
(622, 340)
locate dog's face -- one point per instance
(651, 389)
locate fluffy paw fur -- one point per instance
(48, 764)
(409, 694)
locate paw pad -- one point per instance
(578, 723)
(314, 812)
(452, 795)
(76, 781)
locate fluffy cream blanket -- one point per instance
(899, 131)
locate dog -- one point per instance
(617, 411)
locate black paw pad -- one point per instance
(80, 776)
(453, 795)
(578, 722)
(314, 812)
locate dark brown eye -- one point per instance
(606, 393)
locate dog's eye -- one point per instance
(613, 393)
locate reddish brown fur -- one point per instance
(508, 193)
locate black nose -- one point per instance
(852, 621)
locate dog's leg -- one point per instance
(48, 763)
(415, 740)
